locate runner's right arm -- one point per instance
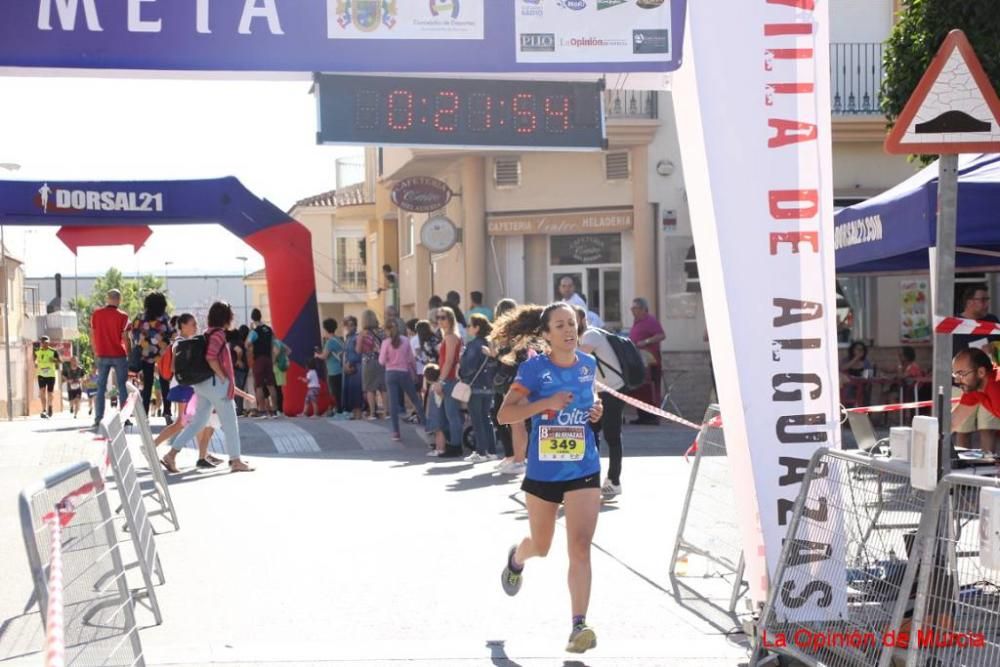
(517, 408)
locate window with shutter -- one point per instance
(616, 166)
(507, 172)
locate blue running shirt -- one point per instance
(562, 445)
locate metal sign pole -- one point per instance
(944, 293)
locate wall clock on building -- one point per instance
(438, 234)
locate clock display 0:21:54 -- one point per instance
(448, 111)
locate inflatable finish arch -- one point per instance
(285, 244)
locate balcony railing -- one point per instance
(856, 74)
(352, 275)
(631, 104)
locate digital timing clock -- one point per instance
(481, 113)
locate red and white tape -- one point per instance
(894, 407)
(645, 407)
(962, 325)
(55, 643)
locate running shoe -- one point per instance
(435, 452)
(581, 639)
(476, 457)
(512, 468)
(609, 490)
(492, 457)
(44, 415)
(510, 580)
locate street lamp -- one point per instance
(246, 316)
(166, 274)
(9, 166)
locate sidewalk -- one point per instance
(367, 552)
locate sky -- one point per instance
(89, 128)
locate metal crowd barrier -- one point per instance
(708, 536)
(98, 620)
(855, 524)
(136, 518)
(160, 493)
(956, 619)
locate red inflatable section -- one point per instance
(88, 236)
(287, 252)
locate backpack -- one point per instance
(633, 372)
(281, 361)
(262, 343)
(190, 360)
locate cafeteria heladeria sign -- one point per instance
(575, 222)
(306, 36)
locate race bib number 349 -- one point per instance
(561, 443)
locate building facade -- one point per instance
(616, 220)
(529, 218)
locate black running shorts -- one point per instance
(554, 492)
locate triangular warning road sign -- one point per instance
(954, 108)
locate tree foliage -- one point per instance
(917, 36)
(133, 290)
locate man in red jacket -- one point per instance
(109, 337)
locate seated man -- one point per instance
(973, 370)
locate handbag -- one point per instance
(463, 391)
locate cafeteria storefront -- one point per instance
(534, 250)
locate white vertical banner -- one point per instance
(753, 111)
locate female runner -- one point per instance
(556, 391)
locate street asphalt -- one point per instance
(345, 548)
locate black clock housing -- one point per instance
(481, 113)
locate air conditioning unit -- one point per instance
(924, 453)
(900, 438)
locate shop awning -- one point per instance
(891, 232)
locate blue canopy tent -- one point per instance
(891, 232)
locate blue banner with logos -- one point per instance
(398, 36)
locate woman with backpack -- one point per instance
(217, 392)
(594, 342)
(180, 395)
(151, 334)
(372, 372)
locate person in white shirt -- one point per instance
(593, 341)
(567, 292)
(312, 390)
